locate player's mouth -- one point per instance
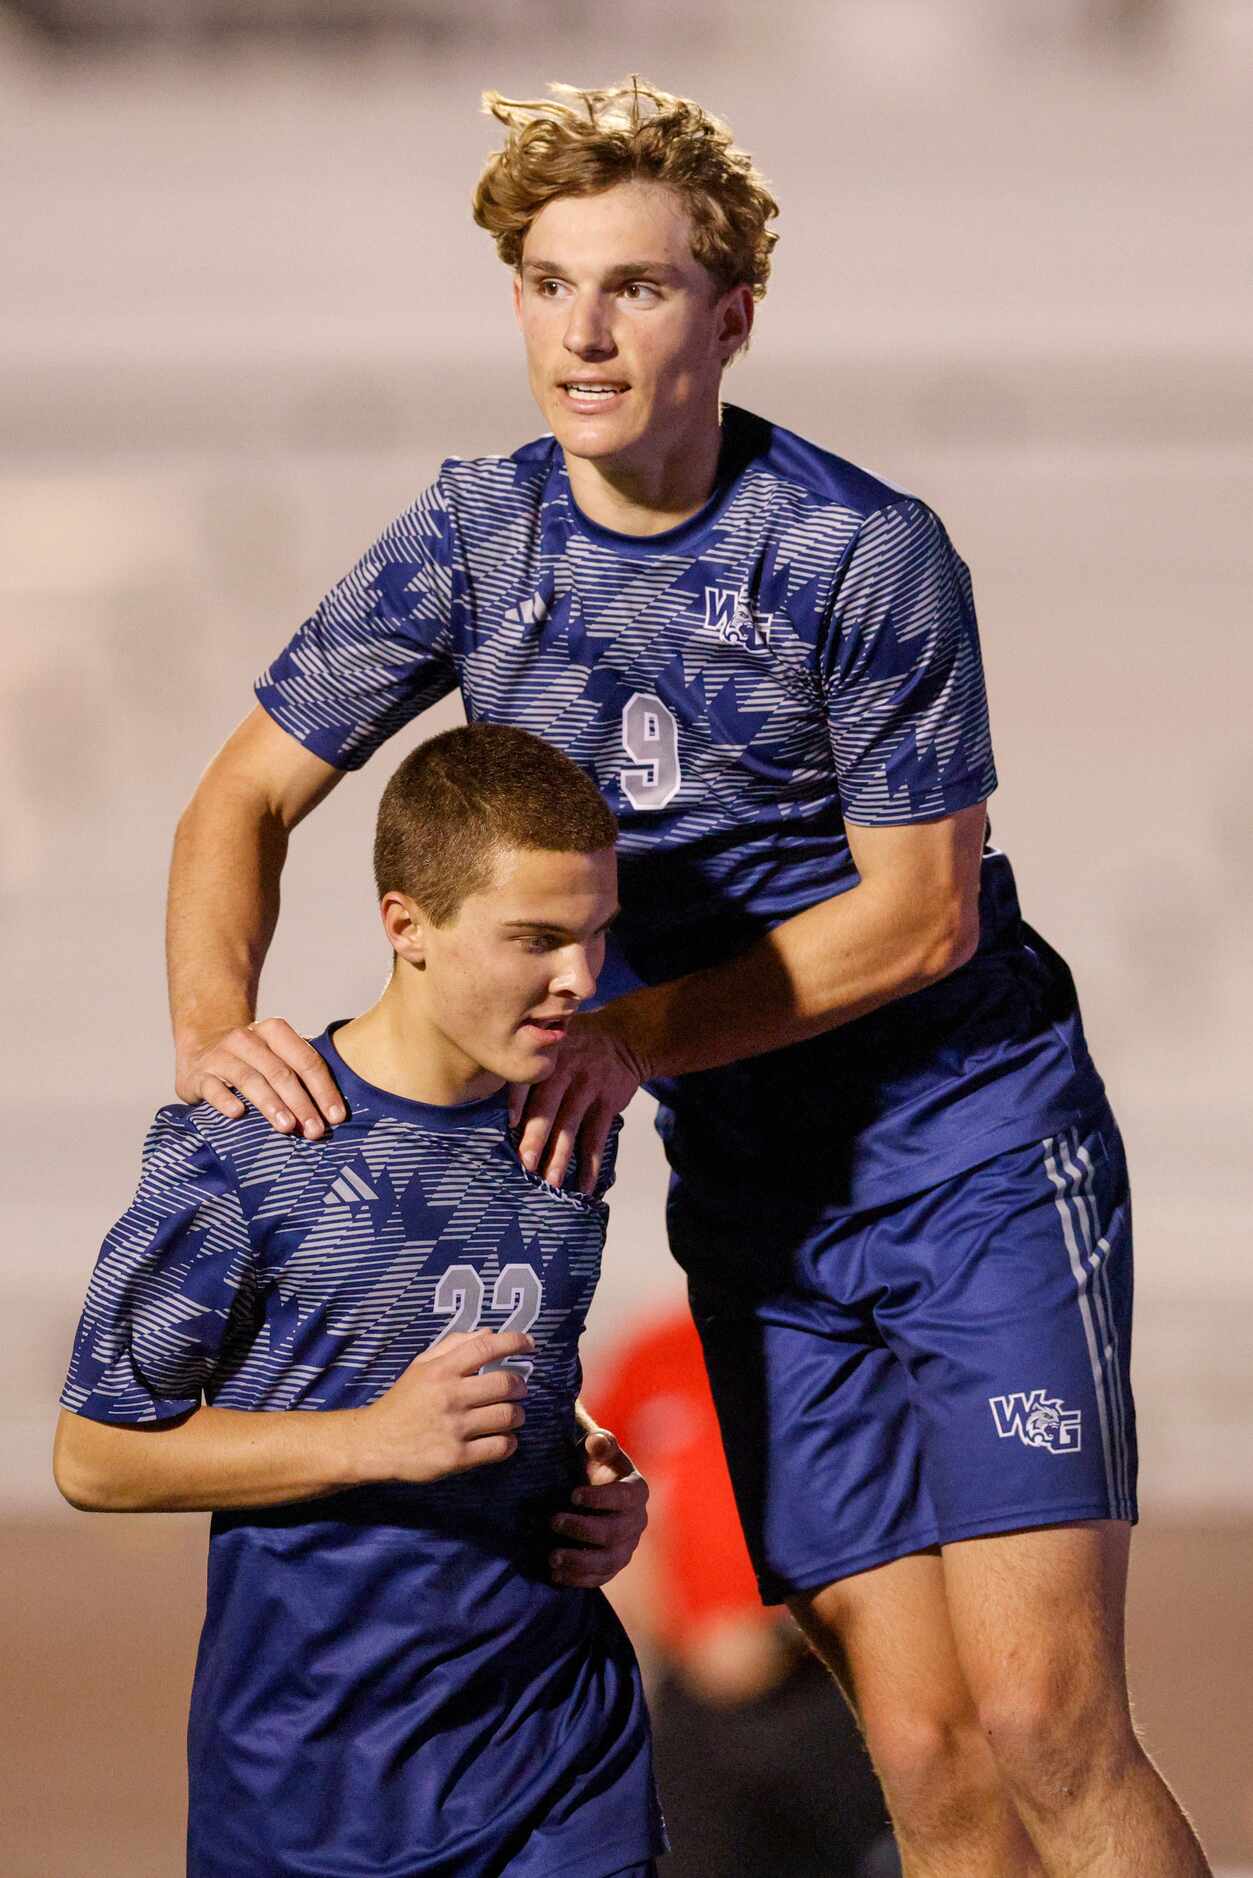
(546, 1029)
(592, 396)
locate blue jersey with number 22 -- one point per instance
(388, 1683)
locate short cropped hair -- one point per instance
(579, 143)
(461, 798)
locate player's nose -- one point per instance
(577, 976)
(588, 333)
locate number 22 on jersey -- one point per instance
(517, 1290)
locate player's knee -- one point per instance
(936, 1772)
(1054, 1743)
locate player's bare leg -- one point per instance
(1038, 1618)
(885, 1635)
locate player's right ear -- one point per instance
(405, 926)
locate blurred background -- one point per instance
(245, 315)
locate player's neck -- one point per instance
(395, 1046)
(647, 496)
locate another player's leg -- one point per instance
(1038, 1622)
(824, 1449)
(1009, 1307)
(886, 1637)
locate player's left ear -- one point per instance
(735, 322)
(405, 926)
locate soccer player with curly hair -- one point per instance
(898, 1190)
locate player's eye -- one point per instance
(641, 291)
(540, 942)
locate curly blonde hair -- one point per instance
(578, 143)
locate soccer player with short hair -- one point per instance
(390, 1684)
(898, 1190)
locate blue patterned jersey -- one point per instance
(387, 1682)
(800, 654)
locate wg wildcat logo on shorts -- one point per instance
(1038, 1420)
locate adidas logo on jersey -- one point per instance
(727, 610)
(1038, 1420)
(350, 1188)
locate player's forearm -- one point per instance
(821, 968)
(215, 1459)
(223, 906)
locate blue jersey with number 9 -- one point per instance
(799, 657)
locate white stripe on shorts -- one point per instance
(1098, 1259)
(1066, 1199)
(1083, 1201)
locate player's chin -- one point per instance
(532, 1062)
(592, 436)
(588, 445)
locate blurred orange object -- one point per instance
(655, 1397)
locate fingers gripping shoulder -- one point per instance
(569, 1188)
(608, 1160)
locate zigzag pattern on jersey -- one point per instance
(268, 1272)
(150, 1315)
(387, 622)
(913, 654)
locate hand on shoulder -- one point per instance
(267, 1064)
(569, 1115)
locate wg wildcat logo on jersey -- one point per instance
(1038, 1420)
(728, 611)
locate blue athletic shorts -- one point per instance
(946, 1365)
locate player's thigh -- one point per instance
(1038, 1620)
(884, 1629)
(887, 1637)
(814, 1410)
(1007, 1298)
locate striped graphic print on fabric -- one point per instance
(1073, 1196)
(908, 650)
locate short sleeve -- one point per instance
(378, 649)
(907, 708)
(172, 1291)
